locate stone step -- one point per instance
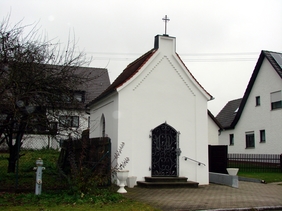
(167, 182)
(188, 184)
(166, 179)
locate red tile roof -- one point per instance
(132, 69)
(126, 75)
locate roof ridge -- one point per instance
(139, 58)
(271, 57)
(146, 56)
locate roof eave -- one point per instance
(215, 120)
(205, 92)
(248, 90)
(126, 75)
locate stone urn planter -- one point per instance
(232, 171)
(122, 176)
(131, 181)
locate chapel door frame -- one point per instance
(165, 151)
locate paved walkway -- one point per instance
(212, 197)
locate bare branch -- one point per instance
(37, 81)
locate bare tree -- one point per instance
(37, 80)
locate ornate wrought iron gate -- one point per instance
(164, 151)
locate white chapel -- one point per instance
(159, 110)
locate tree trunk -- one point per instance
(13, 151)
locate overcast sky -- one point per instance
(219, 41)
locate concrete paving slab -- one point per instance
(249, 196)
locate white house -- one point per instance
(77, 120)
(253, 124)
(159, 110)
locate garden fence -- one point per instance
(256, 162)
(50, 151)
(23, 177)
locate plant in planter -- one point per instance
(118, 169)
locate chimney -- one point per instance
(164, 42)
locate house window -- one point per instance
(69, 121)
(262, 136)
(53, 127)
(276, 100)
(231, 139)
(250, 139)
(79, 96)
(76, 96)
(88, 123)
(61, 142)
(257, 100)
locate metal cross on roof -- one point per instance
(166, 19)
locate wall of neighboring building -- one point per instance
(212, 132)
(34, 141)
(40, 142)
(255, 118)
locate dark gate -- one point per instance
(90, 155)
(164, 154)
(218, 159)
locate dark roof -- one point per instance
(127, 73)
(98, 81)
(273, 61)
(226, 116)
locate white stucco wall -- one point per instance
(109, 108)
(212, 132)
(161, 91)
(256, 118)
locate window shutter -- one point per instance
(276, 96)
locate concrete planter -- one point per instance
(122, 176)
(232, 171)
(131, 181)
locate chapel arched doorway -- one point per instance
(164, 151)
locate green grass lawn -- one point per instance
(26, 174)
(125, 205)
(267, 177)
(102, 200)
(55, 193)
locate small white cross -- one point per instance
(166, 19)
